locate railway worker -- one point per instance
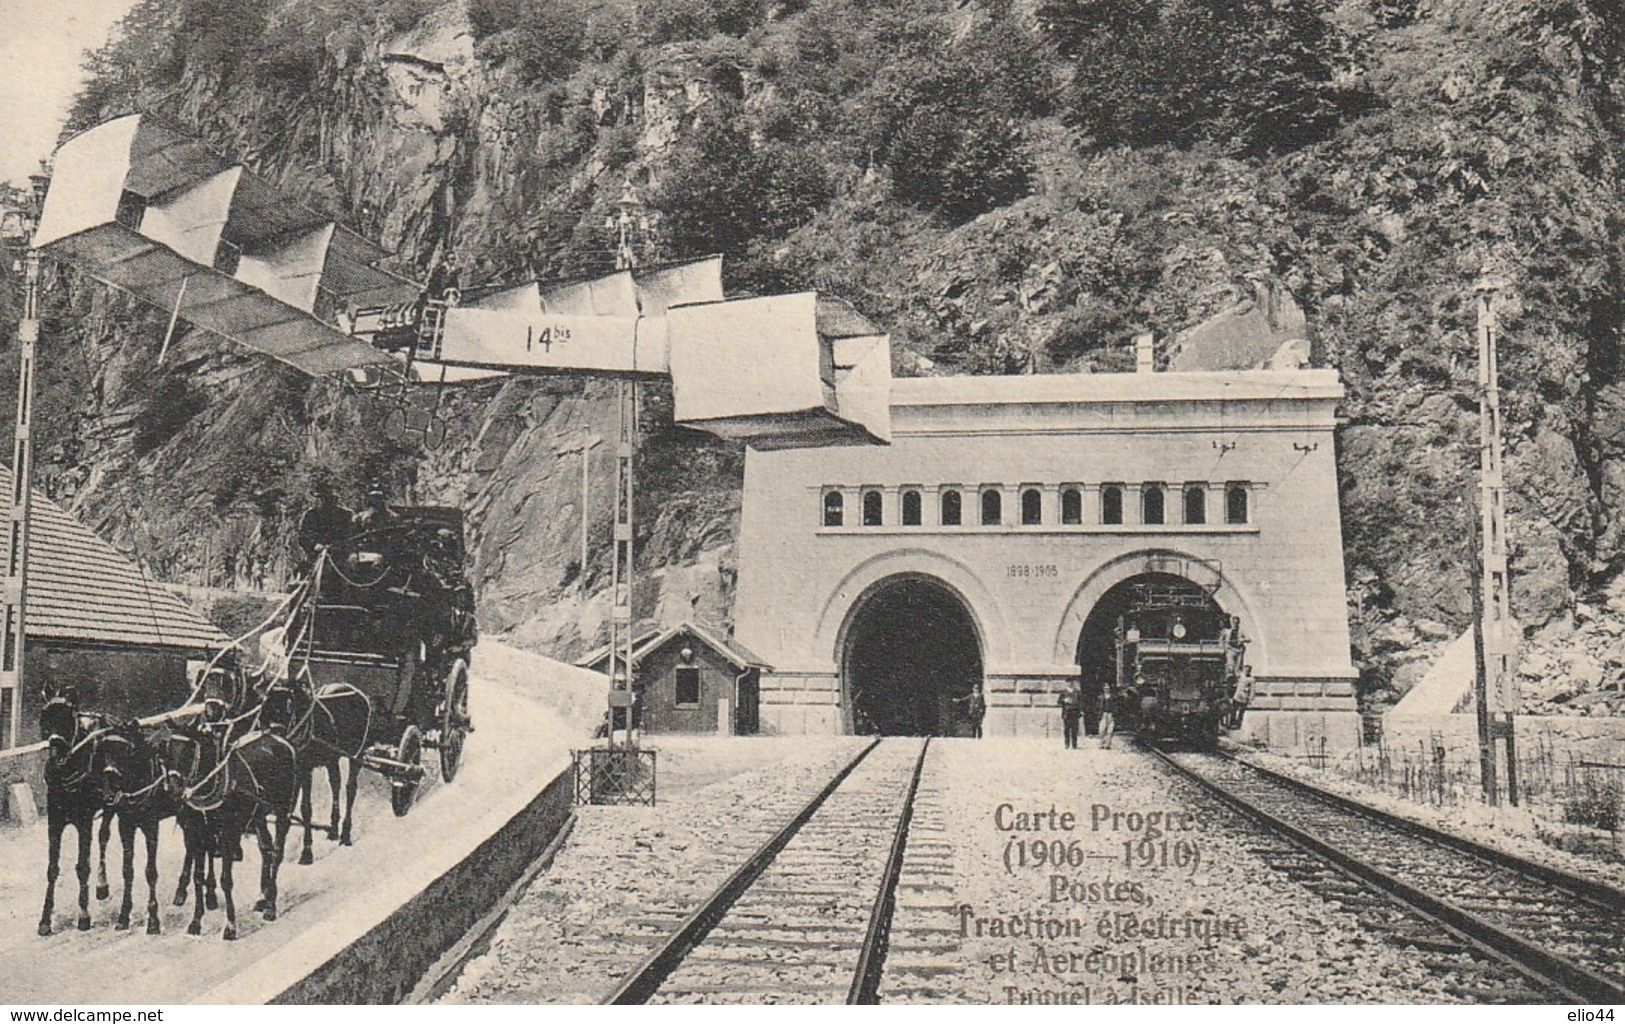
(975, 710)
(1071, 704)
(1242, 696)
(1120, 705)
(1093, 687)
(1108, 720)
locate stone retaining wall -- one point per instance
(1590, 739)
(384, 963)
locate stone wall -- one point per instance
(1029, 587)
(1567, 736)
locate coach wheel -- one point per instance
(395, 424)
(434, 434)
(454, 720)
(402, 791)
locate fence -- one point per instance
(1570, 772)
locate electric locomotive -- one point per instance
(1180, 671)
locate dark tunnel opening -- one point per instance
(912, 657)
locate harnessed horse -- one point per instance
(132, 779)
(226, 776)
(326, 726)
(232, 784)
(73, 792)
(133, 785)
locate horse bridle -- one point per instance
(77, 742)
(136, 797)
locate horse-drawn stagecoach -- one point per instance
(367, 660)
(391, 613)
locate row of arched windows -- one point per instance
(1190, 502)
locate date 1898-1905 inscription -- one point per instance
(1030, 571)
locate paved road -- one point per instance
(520, 744)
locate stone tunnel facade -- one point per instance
(1023, 501)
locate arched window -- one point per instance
(834, 508)
(992, 507)
(1152, 505)
(1032, 507)
(1111, 505)
(1071, 507)
(911, 508)
(1235, 503)
(1195, 504)
(951, 511)
(871, 508)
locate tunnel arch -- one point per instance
(829, 638)
(911, 651)
(1200, 571)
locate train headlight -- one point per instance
(1179, 631)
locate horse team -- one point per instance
(235, 763)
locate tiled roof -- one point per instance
(81, 590)
(732, 651)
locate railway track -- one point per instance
(808, 916)
(1536, 934)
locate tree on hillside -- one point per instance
(946, 118)
(720, 191)
(1258, 76)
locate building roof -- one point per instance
(735, 653)
(1090, 388)
(81, 591)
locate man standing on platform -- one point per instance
(975, 710)
(1071, 703)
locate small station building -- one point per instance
(97, 623)
(688, 678)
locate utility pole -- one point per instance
(14, 582)
(1496, 643)
(622, 625)
(583, 444)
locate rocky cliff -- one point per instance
(1007, 187)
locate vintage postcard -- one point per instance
(957, 502)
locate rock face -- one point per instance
(1484, 133)
(200, 468)
(1248, 336)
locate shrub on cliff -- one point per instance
(720, 192)
(946, 117)
(1260, 75)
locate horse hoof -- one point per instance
(346, 841)
(212, 901)
(260, 905)
(84, 924)
(44, 929)
(306, 857)
(180, 899)
(153, 926)
(230, 935)
(269, 913)
(333, 836)
(194, 929)
(102, 892)
(123, 925)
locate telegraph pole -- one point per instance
(14, 580)
(622, 626)
(1496, 646)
